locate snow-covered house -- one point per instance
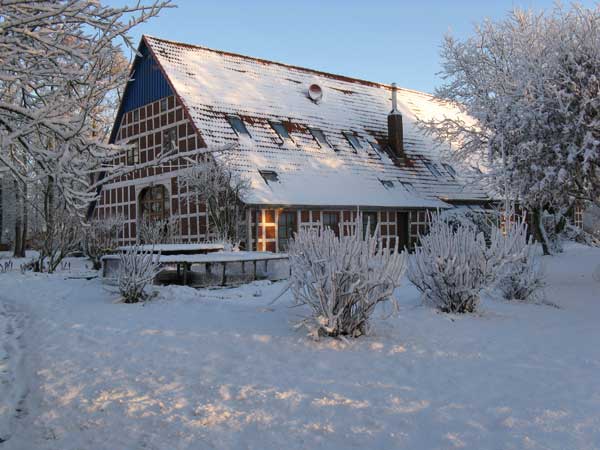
(314, 146)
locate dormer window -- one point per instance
(407, 185)
(388, 184)
(376, 149)
(433, 169)
(281, 131)
(320, 137)
(353, 140)
(450, 170)
(238, 126)
(270, 176)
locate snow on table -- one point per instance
(174, 248)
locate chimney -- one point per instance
(395, 129)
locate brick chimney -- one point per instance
(395, 129)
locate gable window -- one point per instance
(136, 115)
(281, 131)
(238, 126)
(331, 220)
(433, 169)
(270, 176)
(163, 104)
(388, 184)
(152, 202)
(320, 137)
(449, 169)
(169, 142)
(353, 140)
(133, 153)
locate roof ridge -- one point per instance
(290, 66)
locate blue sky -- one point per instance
(377, 40)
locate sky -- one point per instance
(378, 40)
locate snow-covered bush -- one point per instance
(137, 269)
(451, 266)
(159, 231)
(454, 264)
(520, 275)
(102, 237)
(342, 278)
(483, 220)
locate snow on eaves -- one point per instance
(213, 84)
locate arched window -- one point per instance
(153, 202)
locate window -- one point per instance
(286, 228)
(353, 139)
(388, 184)
(270, 176)
(133, 153)
(332, 220)
(163, 104)
(169, 142)
(320, 137)
(407, 185)
(369, 220)
(281, 131)
(450, 170)
(152, 202)
(376, 149)
(238, 126)
(136, 115)
(433, 169)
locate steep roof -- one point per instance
(213, 84)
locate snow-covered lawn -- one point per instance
(225, 369)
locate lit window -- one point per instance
(238, 126)
(320, 137)
(163, 104)
(433, 169)
(450, 170)
(281, 131)
(169, 139)
(388, 184)
(133, 153)
(270, 176)
(353, 139)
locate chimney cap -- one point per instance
(394, 99)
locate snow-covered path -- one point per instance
(13, 375)
(223, 369)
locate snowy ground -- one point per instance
(224, 369)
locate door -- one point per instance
(402, 225)
(286, 227)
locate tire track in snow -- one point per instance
(13, 377)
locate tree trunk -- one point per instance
(539, 231)
(19, 245)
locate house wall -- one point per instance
(263, 224)
(146, 126)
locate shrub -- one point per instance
(102, 237)
(137, 269)
(342, 279)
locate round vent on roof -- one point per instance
(315, 93)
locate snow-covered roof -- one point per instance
(214, 84)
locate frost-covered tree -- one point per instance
(342, 278)
(215, 183)
(531, 83)
(61, 61)
(101, 237)
(137, 269)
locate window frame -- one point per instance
(231, 118)
(283, 139)
(314, 132)
(132, 155)
(377, 149)
(164, 104)
(267, 174)
(372, 225)
(433, 169)
(149, 198)
(165, 135)
(350, 136)
(290, 226)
